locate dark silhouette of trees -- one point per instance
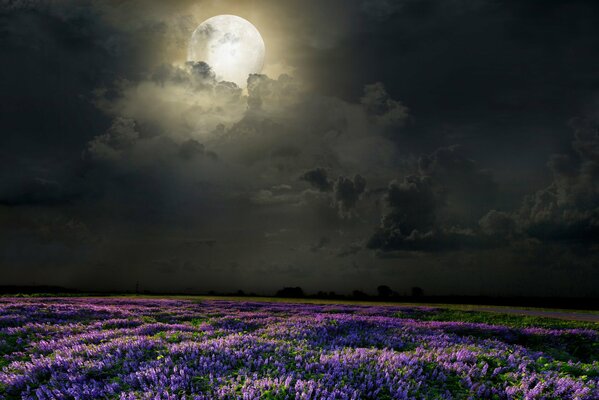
(417, 291)
(384, 291)
(293, 292)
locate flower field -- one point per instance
(127, 348)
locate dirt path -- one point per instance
(571, 316)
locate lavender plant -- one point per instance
(125, 348)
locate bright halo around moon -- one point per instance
(231, 45)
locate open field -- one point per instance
(211, 348)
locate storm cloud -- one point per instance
(404, 143)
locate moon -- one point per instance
(231, 45)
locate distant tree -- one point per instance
(240, 293)
(358, 294)
(417, 291)
(384, 291)
(291, 292)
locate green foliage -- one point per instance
(563, 348)
(202, 383)
(146, 319)
(199, 321)
(453, 383)
(496, 318)
(174, 337)
(12, 343)
(280, 394)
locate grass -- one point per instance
(305, 300)
(495, 315)
(498, 318)
(558, 348)
(563, 348)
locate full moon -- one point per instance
(231, 45)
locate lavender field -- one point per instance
(126, 348)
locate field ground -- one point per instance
(200, 347)
(559, 313)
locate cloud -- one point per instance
(437, 240)
(185, 149)
(118, 139)
(498, 223)
(349, 250)
(444, 207)
(181, 102)
(466, 190)
(171, 152)
(318, 179)
(269, 94)
(33, 191)
(347, 193)
(412, 209)
(322, 243)
(45, 226)
(267, 197)
(568, 208)
(380, 10)
(381, 107)
(421, 213)
(26, 181)
(191, 148)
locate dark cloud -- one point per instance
(380, 10)
(27, 181)
(349, 250)
(118, 139)
(318, 178)
(412, 209)
(115, 152)
(322, 243)
(450, 189)
(498, 224)
(347, 193)
(568, 209)
(381, 107)
(191, 148)
(435, 241)
(564, 211)
(34, 191)
(467, 190)
(458, 66)
(445, 207)
(44, 227)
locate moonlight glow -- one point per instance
(231, 45)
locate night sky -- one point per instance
(446, 144)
